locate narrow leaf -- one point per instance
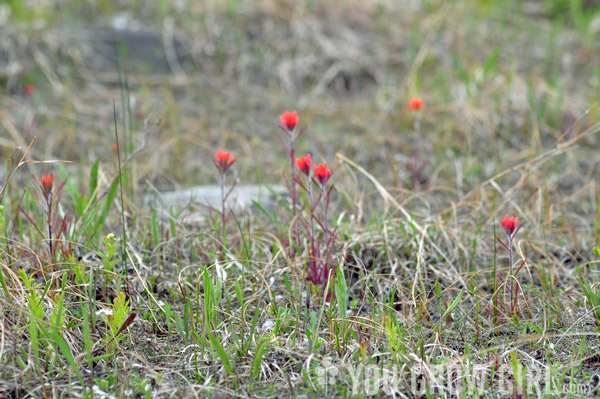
(221, 352)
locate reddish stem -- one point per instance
(223, 219)
(293, 182)
(49, 219)
(510, 266)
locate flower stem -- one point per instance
(325, 228)
(49, 219)
(510, 268)
(325, 235)
(310, 204)
(223, 219)
(293, 182)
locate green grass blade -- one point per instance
(66, 352)
(453, 305)
(260, 352)
(94, 180)
(112, 193)
(221, 352)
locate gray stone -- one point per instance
(197, 201)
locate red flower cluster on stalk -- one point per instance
(289, 124)
(510, 224)
(322, 173)
(320, 265)
(48, 194)
(303, 163)
(289, 120)
(511, 227)
(46, 184)
(223, 161)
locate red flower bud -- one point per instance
(29, 89)
(289, 120)
(415, 104)
(46, 184)
(223, 161)
(304, 164)
(322, 173)
(510, 224)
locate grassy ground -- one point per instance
(424, 297)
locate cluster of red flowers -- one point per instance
(322, 173)
(224, 160)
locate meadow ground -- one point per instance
(102, 297)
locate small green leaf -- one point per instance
(221, 352)
(94, 180)
(66, 352)
(454, 304)
(262, 347)
(107, 204)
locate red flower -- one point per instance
(46, 184)
(415, 104)
(322, 173)
(223, 161)
(304, 164)
(509, 224)
(29, 89)
(289, 119)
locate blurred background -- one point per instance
(502, 81)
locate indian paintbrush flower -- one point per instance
(417, 165)
(322, 173)
(415, 104)
(46, 183)
(223, 161)
(289, 120)
(304, 164)
(29, 89)
(510, 225)
(46, 186)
